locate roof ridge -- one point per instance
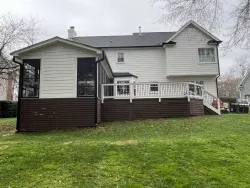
(104, 36)
(127, 35)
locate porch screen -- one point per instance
(31, 78)
(85, 77)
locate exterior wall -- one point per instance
(246, 88)
(209, 82)
(183, 58)
(55, 114)
(148, 64)
(58, 77)
(117, 110)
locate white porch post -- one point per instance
(188, 96)
(159, 91)
(218, 102)
(102, 93)
(131, 92)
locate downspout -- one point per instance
(96, 72)
(19, 93)
(218, 69)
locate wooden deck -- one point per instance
(117, 110)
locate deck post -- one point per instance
(131, 92)
(188, 96)
(102, 93)
(218, 105)
(159, 91)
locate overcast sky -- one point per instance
(99, 17)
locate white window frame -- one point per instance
(204, 62)
(196, 82)
(128, 82)
(117, 56)
(154, 86)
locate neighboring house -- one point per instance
(244, 87)
(5, 83)
(6, 90)
(144, 75)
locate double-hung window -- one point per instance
(123, 89)
(206, 55)
(85, 77)
(120, 57)
(31, 78)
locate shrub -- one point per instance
(8, 109)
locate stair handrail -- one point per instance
(210, 103)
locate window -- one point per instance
(247, 97)
(85, 77)
(120, 57)
(154, 88)
(196, 89)
(206, 55)
(123, 89)
(31, 78)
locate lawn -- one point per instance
(211, 151)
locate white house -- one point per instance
(160, 74)
(244, 87)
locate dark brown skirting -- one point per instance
(196, 107)
(119, 109)
(56, 114)
(99, 110)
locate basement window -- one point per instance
(31, 78)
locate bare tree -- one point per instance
(240, 66)
(228, 83)
(228, 86)
(15, 33)
(181, 11)
(211, 14)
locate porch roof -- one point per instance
(53, 40)
(124, 74)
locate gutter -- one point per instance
(218, 68)
(19, 93)
(96, 109)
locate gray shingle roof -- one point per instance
(146, 39)
(123, 74)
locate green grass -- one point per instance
(211, 151)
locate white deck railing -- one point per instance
(211, 101)
(151, 90)
(159, 90)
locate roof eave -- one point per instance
(52, 40)
(197, 26)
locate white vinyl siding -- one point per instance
(183, 58)
(58, 78)
(148, 64)
(209, 82)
